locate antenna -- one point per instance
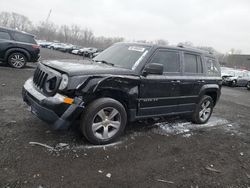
(47, 19)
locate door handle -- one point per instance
(201, 81)
(176, 81)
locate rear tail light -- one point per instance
(35, 46)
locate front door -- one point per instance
(157, 91)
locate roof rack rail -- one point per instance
(195, 48)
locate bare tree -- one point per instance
(5, 19)
(161, 42)
(15, 21)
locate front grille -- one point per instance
(47, 80)
(39, 78)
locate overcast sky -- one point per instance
(222, 24)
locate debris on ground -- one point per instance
(248, 175)
(62, 145)
(241, 153)
(165, 181)
(100, 171)
(3, 85)
(43, 145)
(212, 169)
(108, 175)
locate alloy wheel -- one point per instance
(17, 61)
(205, 111)
(106, 123)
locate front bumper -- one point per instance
(52, 110)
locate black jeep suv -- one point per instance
(126, 82)
(16, 47)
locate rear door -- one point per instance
(157, 91)
(5, 43)
(191, 81)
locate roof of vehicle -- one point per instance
(14, 30)
(179, 47)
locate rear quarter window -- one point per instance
(24, 38)
(213, 67)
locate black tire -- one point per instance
(17, 60)
(234, 83)
(248, 85)
(197, 117)
(91, 116)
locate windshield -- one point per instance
(123, 55)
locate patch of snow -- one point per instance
(183, 127)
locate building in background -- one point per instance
(238, 61)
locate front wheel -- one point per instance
(17, 60)
(248, 85)
(234, 83)
(104, 121)
(203, 110)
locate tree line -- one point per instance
(45, 30)
(75, 34)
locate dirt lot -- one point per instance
(169, 153)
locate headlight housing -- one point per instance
(64, 82)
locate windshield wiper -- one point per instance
(105, 62)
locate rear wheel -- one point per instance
(17, 60)
(104, 121)
(203, 110)
(248, 85)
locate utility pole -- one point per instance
(47, 19)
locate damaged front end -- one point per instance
(40, 93)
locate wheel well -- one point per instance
(17, 51)
(117, 95)
(213, 95)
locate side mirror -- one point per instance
(153, 68)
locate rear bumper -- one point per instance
(52, 110)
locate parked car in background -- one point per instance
(97, 53)
(126, 82)
(75, 48)
(248, 85)
(65, 48)
(76, 51)
(56, 46)
(43, 43)
(238, 78)
(17, 48)
(87, 52)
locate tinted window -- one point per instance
(4, 35)
(24, 38)
(169, 60)
(192, 63)
(212, 67)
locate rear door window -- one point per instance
(192, 63)
(24, 38)
(4, 35)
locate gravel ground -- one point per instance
(170, 152)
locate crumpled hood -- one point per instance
(85, 67)
(232, 78)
